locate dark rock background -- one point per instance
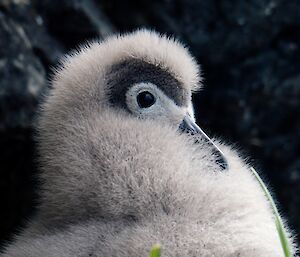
(250, 56)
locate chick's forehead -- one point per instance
(91, 63)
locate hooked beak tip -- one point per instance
(189, 126)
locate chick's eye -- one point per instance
(145, 99)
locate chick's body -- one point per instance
(114, 184)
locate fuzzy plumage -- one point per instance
(114, 185)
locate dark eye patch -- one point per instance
(126, 73)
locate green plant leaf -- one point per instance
(155, 251)
(278, 221)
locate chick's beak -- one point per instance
(189, 126)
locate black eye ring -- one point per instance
(145, 99)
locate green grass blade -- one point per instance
(155, 251)
(278, 222)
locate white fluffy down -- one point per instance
(119, 192)
(114, 185)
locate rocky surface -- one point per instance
(249, 53)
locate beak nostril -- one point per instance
(190, 127)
